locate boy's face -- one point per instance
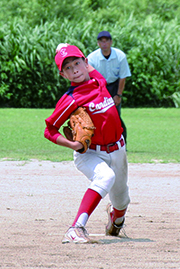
(75, 69)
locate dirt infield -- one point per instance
(40, 199)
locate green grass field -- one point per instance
(153, 135)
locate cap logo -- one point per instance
(63, 52)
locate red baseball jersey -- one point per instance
(99, 104)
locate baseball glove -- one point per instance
(80, 128)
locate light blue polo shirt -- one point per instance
(116, 66)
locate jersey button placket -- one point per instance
(108, 70)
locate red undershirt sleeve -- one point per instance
(51, 133)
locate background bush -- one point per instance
(147, 31)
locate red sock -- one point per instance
(89, 202)
(117, 213)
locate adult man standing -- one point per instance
(112, 64)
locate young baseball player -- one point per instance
(105, 162)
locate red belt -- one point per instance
(108, 148)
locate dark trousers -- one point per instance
(113, 88)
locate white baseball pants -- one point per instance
(107, 172)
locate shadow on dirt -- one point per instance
(124, 239)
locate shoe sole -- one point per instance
(90, 241)
(66, 240)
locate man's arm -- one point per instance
(117, 98)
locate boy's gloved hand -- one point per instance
(80, 128)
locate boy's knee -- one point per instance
(104, 183)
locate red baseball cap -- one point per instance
(65, 52)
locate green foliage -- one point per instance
(147, 31)
(28, 74)
(154, 61)
(176, 98)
